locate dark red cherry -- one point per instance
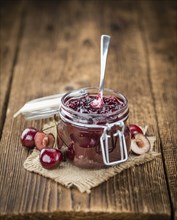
(135, 129)
(43, 140)
(50, 158)
(27, 137)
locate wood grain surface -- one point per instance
(54, 47)
(10, 36)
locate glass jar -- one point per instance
(95, 140)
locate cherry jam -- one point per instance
(82, 126)
(84, 104)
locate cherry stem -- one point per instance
(44, 129)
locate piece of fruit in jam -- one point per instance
(140, 144)
(85, 104)
(50, 158)
(43, 140)
(27, 137)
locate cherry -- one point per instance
(134, 129)
(140, 144)
(27, 137)
(43, 140)
(50, 158)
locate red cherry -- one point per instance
(140, 144)
(43, 140)
(50, 158)
(135, 129)
(27, 137)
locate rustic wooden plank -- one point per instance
(84, 215)
(161, 41)
(55, 49)
(10, 35)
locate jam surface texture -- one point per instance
(84, 104)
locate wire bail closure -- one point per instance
(105, 147)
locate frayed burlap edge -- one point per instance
(85, 179)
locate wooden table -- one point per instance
(49, 47)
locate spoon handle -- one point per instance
(105, 41)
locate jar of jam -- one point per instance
(96, 137)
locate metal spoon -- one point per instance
(105, 41)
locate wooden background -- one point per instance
(49, 47)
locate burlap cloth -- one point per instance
(84, 179)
